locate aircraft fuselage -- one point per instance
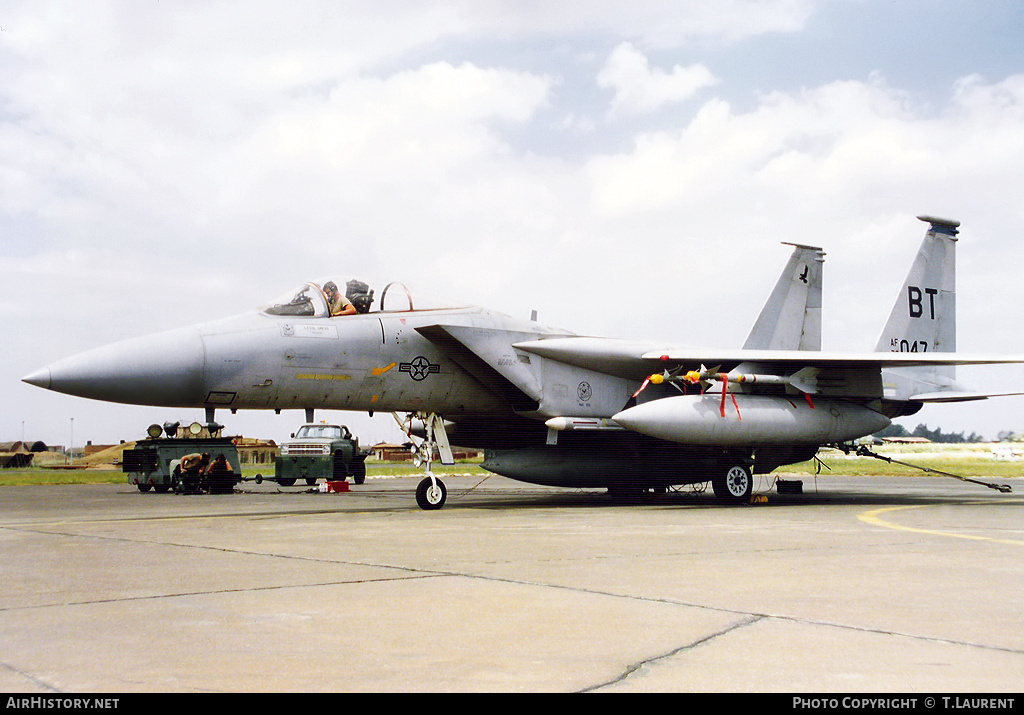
(549, 406)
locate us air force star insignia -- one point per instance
(419, 368)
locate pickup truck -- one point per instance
(320, 451)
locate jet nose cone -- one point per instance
(163, 370)
(39, 378)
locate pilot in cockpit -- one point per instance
(337, 302)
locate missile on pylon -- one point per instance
(591, 424)
(804, 380)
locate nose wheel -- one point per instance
(431, 493)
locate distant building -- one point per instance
(33, 447)
(18, 455)
(91, 449)
(255, 451)
(387, 452)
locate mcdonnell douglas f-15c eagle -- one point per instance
(551, 407)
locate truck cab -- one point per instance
(320, 451)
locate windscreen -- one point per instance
(319, 432)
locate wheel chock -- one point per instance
(334, 487)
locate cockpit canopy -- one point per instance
(311, 300)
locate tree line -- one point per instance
(937, 435)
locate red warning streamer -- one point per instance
(724, 377)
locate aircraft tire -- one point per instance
(143, 488)
(735, 483)
(430, 497)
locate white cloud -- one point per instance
(640, 89)
(652, 23)
(161, 160)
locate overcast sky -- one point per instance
(625, 169)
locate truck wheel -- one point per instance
(359, 471)
(429, 495)
(286, 481)
(340, 469)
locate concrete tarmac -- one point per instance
(910, 585)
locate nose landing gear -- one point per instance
(431, 492)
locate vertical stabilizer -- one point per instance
(923, 319)
(791, 318)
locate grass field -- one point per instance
(966, 460)
(114, 475)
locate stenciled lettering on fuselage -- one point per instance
(419, 368)
(309, 330)
(897, 345)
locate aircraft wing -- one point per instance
(630, 358)
(835, 373)
(826, 359)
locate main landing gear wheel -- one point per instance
(736, 483)
(430, 494)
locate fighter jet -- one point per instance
(549, 406)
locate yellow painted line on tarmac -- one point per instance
(872, 517)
